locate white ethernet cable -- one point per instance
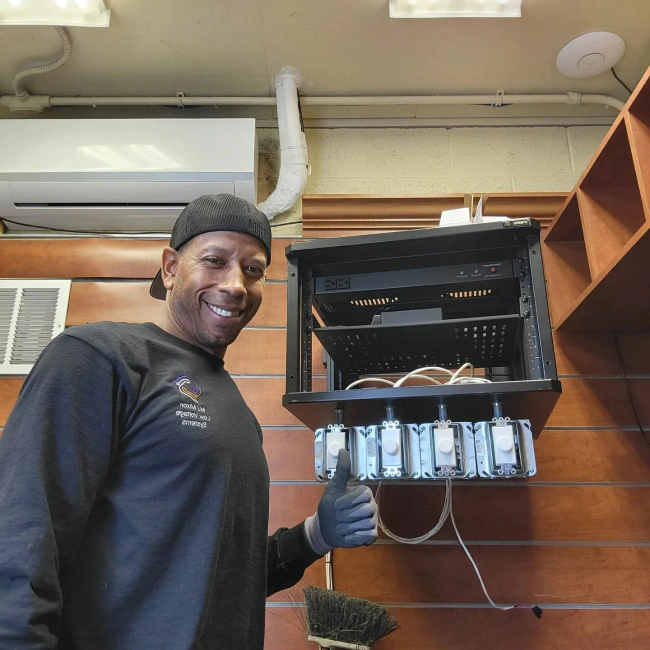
(365, 379)
(455, 377)
(417, 372)
(471, 559)
(390, 383)
(447, 511)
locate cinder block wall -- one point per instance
(434, 161)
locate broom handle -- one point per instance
(329, 578)
(329, 574)
(327, 643)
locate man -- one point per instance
(133, 486)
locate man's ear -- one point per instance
(169, 266)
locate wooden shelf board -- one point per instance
(613, 165)
(639, 134)
(618, 298)
(639, 101)
(568, 226)
(610, 218)
(567, 270)
(556, 223)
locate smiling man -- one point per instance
(134, 490)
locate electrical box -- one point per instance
(504, 449)
(447, 450)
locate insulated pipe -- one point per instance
(294, 165)
(571, 99)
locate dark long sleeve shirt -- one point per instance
(134, 499)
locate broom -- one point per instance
(337, 620)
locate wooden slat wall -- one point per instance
(474, 629)
(100, 258)
(575, 538)
(334, 215)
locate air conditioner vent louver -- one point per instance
(32, 313)
(35, 324)
(7, 303)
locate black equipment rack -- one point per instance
(393, 302)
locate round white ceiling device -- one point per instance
(590, 55)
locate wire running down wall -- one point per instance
(576, 540)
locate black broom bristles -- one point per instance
(339, 617)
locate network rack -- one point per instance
(389, 303)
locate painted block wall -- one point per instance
(434, 161)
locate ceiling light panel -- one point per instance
(454, 8)
(68, 13)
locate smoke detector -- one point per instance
(590, 55)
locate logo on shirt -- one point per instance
(188, 387)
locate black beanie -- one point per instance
(211, 213)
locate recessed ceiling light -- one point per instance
(68, 13)
(454, 8)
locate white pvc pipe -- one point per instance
(294, 166)
(571, 99)
(179, 100)
(574, 99)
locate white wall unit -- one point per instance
(121, 175)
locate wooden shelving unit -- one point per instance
(597, 248)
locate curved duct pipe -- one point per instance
(17, 83)
(294, 165)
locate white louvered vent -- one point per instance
(32, 313)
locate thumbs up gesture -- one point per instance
(346, 517)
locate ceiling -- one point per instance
(341, 47)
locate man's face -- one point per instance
(215, 286)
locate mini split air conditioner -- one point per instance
(120, 175)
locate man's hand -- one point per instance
(346, 517)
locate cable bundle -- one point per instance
(455, 377)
